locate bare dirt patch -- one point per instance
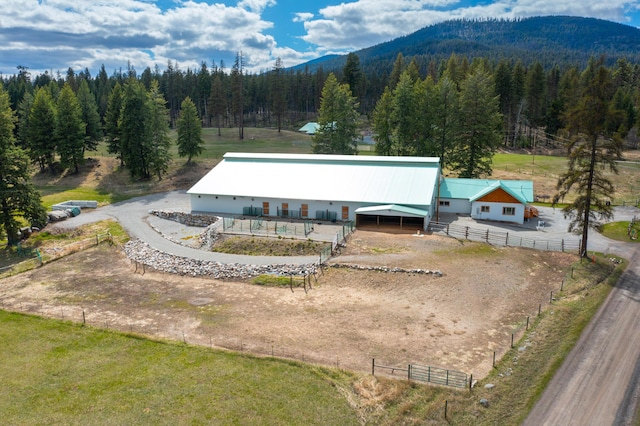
(454, 321)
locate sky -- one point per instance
(53, 35)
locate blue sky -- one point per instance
(54, 35)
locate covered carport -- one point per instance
(392, 217)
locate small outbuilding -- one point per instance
(310, 128)
(485, 199)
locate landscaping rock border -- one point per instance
(141, 252)
(386, 269)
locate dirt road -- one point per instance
(599, 382)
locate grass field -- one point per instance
(60, 373)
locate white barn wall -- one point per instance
(234, 205)
(495, 212)
(455, 206)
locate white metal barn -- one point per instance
(398, 191)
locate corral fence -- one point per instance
(504, 238)
(38, 258)
(339, 239)
(427, 374)
(258, 225)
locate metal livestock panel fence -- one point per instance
(504, 238)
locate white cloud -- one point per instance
(92, 32)
(302, 17)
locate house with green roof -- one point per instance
(486, 199)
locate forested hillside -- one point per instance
(529, 71)
(550, 40)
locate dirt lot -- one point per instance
(454, 321)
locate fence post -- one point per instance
(506, 240)
(494, 359)
(487, 237)
(466, 233)
(471, 382)
(409, 372)
(373, 366)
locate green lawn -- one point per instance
(619, 231)
(54, 372)
(255, 140)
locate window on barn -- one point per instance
(444, 203)
(485, 209)
(508, 211)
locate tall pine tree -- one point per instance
(593, 148)
(18, 197)
(189, 131)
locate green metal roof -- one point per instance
(369, 180)
(392, 210)
(473, 189)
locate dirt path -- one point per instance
(599, 382)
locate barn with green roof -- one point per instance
(374, 191)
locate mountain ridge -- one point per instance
(551, 40)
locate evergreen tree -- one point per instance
(42, 124)
(405, 116)
(70, 129)
(93, 129)
(217, 101)
(338, 120)
(112, 122)
(383, 125)
(237, 92)
(535, 96)
(396, 72)
(479, 132)
(158, 125)
(18, 197)
(278, 92)
(445, 120)
(353, 76)
(592, 150)
(135, 135)
(189, 131)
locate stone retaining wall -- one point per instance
(141, 252)
(190, 219)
